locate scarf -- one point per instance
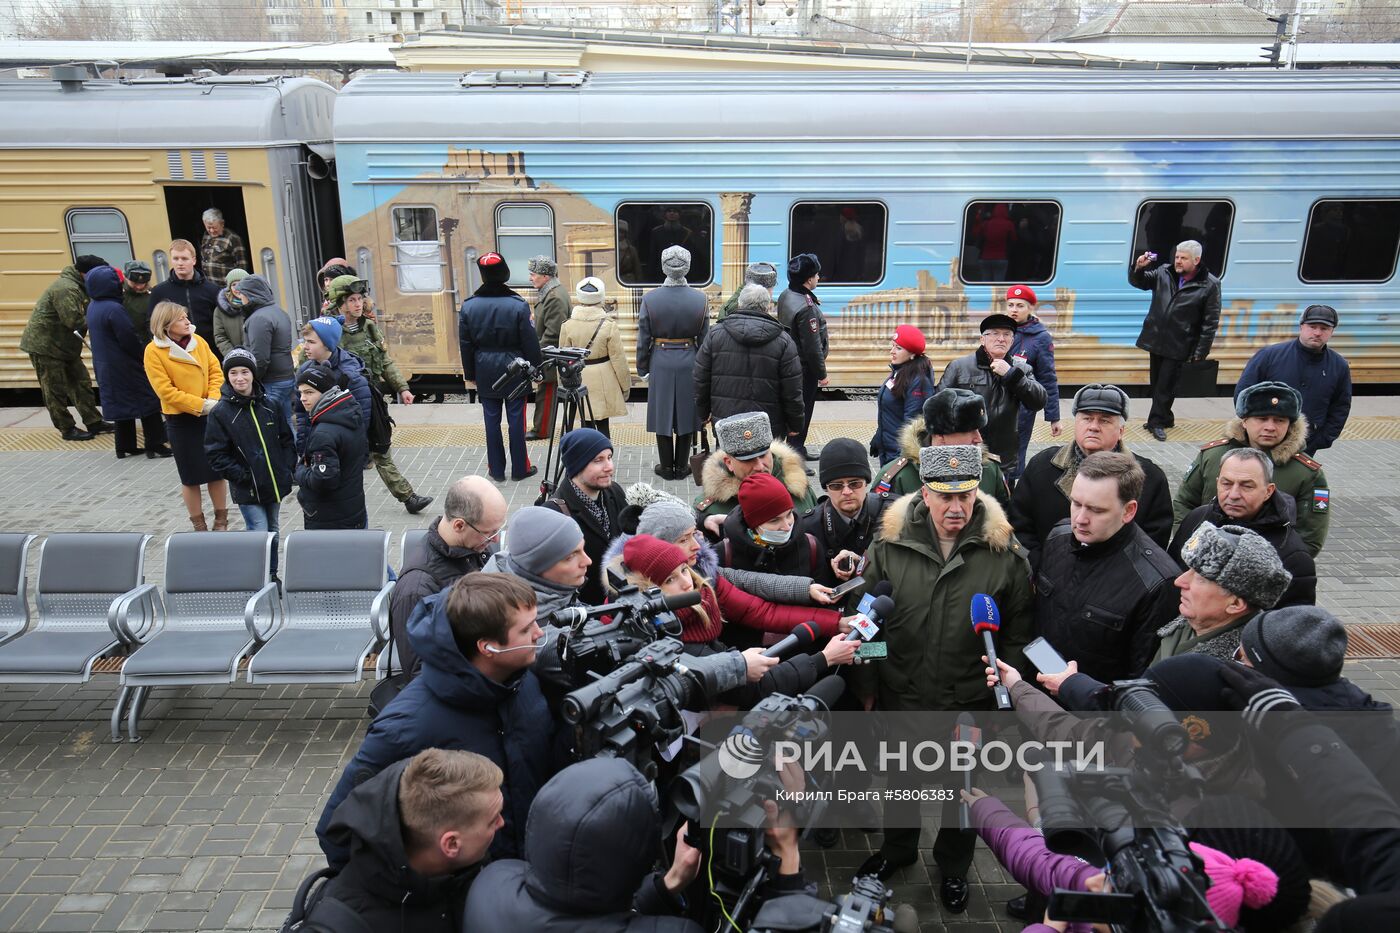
(594, 508)
(698, 628)
(183, 342)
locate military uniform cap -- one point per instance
(1269, 398)
(761, 273)
(744, 436)
(951, 468)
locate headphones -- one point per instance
(489, 650)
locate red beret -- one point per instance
(910, 338)
(762, 498)
(1024, 292)
(651, 557)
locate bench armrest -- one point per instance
(270, 599)
(379, 612)
(137, 614)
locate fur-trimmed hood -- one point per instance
(911, 441)
(722, 486)
(989, 521)
(706, 562)
(1291, 444)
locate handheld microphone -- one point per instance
(803, 635)
(967, 731)
(866, 625)
(824, 693)
(986, 620)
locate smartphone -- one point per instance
(847, 563)
(1044, 656)
(854, 583)
(1151, 257)
(873, 650)
(1086, 907)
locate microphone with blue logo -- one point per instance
(986, 620)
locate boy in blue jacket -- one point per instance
(1036, 346)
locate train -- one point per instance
(923, 196)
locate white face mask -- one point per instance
(774, 537)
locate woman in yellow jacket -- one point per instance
(605, 374)
(186, 377)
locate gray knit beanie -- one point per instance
(666, 519)
(1237, 560)
(1299, 646)
(539, 538)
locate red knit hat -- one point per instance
(651, 557)
(1024, 292)
(910, 338)
(762, 498)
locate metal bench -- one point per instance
(83, 578)
(336, 592)
(216, 590)
(14, 585)
(411, 546)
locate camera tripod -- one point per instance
(570, 406)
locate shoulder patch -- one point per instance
(812, 323)
(993, 457)
(1215, 443)
(1322, 500)
(703, 504)
(1307, 461)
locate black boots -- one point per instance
(666, 454)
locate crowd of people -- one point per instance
(1208, 592)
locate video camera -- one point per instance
(866, 909)
(590, 647)
(1122, 816)
(568, 362)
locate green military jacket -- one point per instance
(551, 311)
(60, 310)
(1178, 638)
(1295, 474)
(935, 658)
(138, 308)
(731, 304)
(367, 343)
(901, 475)
(720, 488)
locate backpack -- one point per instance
(310, 897)
(381, 423)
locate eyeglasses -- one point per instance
(493, 536)
(854, 485)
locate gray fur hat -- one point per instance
(761, 273)
(543, 265)
(1239, 561)
(1299, 646)
(675, 261)
(666, 519)
(951, 468)
(754, 297)
(744, 436)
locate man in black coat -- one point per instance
(458, 542)
(592, 499)
(330, 476)
(191, 290)
(1180, 324)
(417, 834)
(847, 518)
(1246, 496)
(494, 328)
(749, 363)
(800, 313)
(1041, 499)
(1104, 587)
(1005, 384)
(1321, 375)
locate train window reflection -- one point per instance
(1009, 241)
(848, 237)
(99, 232)
(1351, 241)
(524, 231)
(645, 229)
(417, 252)
(1161, 225)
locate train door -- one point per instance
(185, 206)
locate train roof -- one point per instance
(564, 106)
(232, 112)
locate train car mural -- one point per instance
(924, 195)
(120, 168)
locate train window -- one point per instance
(1351, 241)
(1161, 225)
(417, 252)
(848, 238)
(523, 231)
(99, 232)
(1009, 241)
(645, 229)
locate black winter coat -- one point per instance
(1041, 499)
(199, 296)
(589, 853)
(1322, 377)
(248, 442)
(349, 369)
(1181, 322)
(800, 313)
(1274, 523)
(331, 472)
(749, 363)
(596, 538)
(452, 705)
(1101, 604)
(433, 567)
(377, 883)
(834, 533)
(1003, 395)
(493, 328)
(117, 351)
(798, 558)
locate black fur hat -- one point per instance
(954, 411)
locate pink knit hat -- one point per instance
(1235, 883)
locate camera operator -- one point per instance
(416, 833)
(476, 692)
(590, 498)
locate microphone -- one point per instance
(967, 731)
(531, 647)
(866, 625)
(986, 620)
(803, 635)
(824, 693)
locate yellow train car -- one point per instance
(120, 168)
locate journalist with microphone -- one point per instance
(940, 547)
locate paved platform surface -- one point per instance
(207, 823)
